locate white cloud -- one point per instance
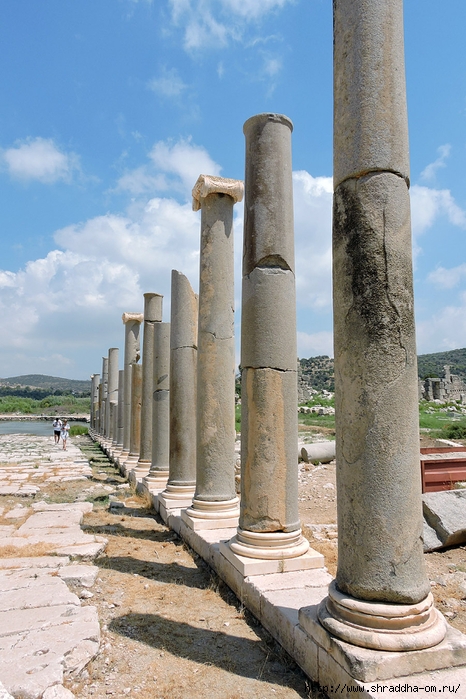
(168, 83)
(430, 170)
(448, 278)
(312, 345)
(428, 204)
(443, 331)
(39, 159)
(313, 233)
(174, 166)
(214, 23)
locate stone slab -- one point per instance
(445, 512)
(431, 541)
(62, 506)
(4, 694)
(58, 691)
(85, 552)
(260, 566)
(34, 562)
(84, 575)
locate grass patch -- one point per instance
(76, 430)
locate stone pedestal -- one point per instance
(269, 527)
(381, 598)
(215, 504)
(183, 363)
(132, 323)
(157, 478)
(152, 317)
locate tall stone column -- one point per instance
(112, 391)
(117, 444)
(381, 598)
(103, 398)
(183, 363)
(95, 380)
(136, 399)
(215, 504)
(132, 323)
(269, 526)
(152, 317)
(159, 470)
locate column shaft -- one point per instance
(158, 474)
(112, 388)
(132, 322)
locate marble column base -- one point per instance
(142, 468)
(176, 496)
(381, 626)
(263, 553)
(156, 480)
(211, 514)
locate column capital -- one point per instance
(138, 317)
(210, 184)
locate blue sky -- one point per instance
(111, 109)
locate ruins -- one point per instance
(376, 621)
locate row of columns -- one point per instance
(381, 596)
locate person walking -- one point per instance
(57, 424)
(65, 429)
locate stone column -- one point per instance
(269, 526)
(152, 317)
(117, 444)
(112, 391)
(381, 597)
(95, 380)
(215, 504)
(158, 474)
(183, 361)
(103, 397)
(136, 399)
(132, 323)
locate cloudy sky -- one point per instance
(111, 109)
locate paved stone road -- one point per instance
(45, 633)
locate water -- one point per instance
(41, 428)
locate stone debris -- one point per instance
(445, 514)
(45, 632)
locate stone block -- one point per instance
(79, 574)
(316, 577)
(445, 512)
(58, 691)
(33, 562)
(430, 539)
(260, 566)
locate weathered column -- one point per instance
(136, 399)
(103, 398)
(183, 360)
(158, 474)
(152, 317)
(381, 598)
(99, 408)
(215, 504)
(112, 392)
(117, 444)
(132, 323)
(95, 380)
(269, 526)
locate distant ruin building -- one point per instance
(450, 387)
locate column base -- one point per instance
(156, 480)
(263, 553)
(176, 496)
(211, 514)
(380, 626)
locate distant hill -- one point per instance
(432, 364)
(318, 372)
(48, 383)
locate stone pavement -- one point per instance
(45, 632)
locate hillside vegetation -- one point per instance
(39, 386)
(320, 370)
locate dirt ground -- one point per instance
(171, 629)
